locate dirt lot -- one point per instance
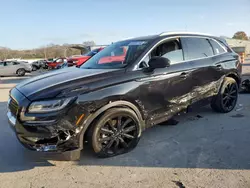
(205, 149)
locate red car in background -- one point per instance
(116, 56)
(79, 60)
(55, 63)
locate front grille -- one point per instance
(13, 106)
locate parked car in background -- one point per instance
(33, 65)
(56, 62)
(8, 68)
(36, 65)
(110, 104)
(80, 59)
(43, 64)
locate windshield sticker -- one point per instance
(137, 43)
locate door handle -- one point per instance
(218, 67)
(183, 75)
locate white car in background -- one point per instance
(10, 68)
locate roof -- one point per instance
(183, 33)
(149, 37)
(166, 34)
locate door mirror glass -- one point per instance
(158, 62)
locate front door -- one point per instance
(10, 68)
(2, 72)
(166, 91)
(5, 69)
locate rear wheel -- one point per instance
(20, 72)
(116, 132)
(227, 97)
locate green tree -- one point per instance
(240, 35)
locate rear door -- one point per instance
(223, 61)
(15, 66)
(206, 75)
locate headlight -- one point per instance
(49, 106)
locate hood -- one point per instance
(51, 84)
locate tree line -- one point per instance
(46, 52)
(53, 51)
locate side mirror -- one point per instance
(158, 62)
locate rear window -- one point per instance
(218, 48)
(195, 48)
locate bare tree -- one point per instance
(89, 43)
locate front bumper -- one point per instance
(59, 135)
(41, 138)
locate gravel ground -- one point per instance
(205, 149)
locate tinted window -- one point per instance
(218, 48)
(8, 63)
(15, 63)
(171, 50)
(195, 48)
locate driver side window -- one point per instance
(170, 49)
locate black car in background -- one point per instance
(39, 64)
(110, 104)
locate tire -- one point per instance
(107, 140)
(21, 72)
(226, 99)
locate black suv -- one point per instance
(110, 100)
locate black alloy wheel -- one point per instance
(227, 98)
(116, 132)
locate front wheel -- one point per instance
(116, 132)
(21, 72)
(226, 99)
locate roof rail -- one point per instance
(182, 32)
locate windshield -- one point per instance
(117, 55)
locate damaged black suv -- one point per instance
(118, 93)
